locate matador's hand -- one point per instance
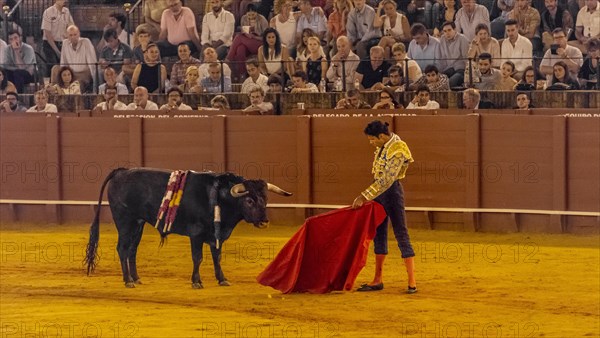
(358, 202)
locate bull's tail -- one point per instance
(91, 254)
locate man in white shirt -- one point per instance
(140, 100)
(570, 55)
(255, 77)
(177, 25)
(587, 25)
(350, 63)
(41, 104)
(110, 76)
(421, 99)
(516, 48)
(469, 16)
(111, 101)
(217, 29)
(174, 97)
(79, 54)
(55, 21)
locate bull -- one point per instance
(212, 205)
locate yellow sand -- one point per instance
(470, 285)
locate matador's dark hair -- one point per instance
(377, 127)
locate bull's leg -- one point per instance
(197, 244)
(137, 237)
(216, 257)
(123, 245)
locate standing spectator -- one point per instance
(79, 54)
(41, 104)
(352, 100)
(555, 16)
(570, 55)
(423, 48)
(343, 63)
(178, 25)
(313, 18)
(336, 22)
(528, 23)
(316, 64)
(11, 104)
(301, 84)
(485, 76)
(255, 77)
(214, 81)
(469, 16)
(561, 79)
(516, 48)
(374, 71)
(422, 99)
(257, 102)
(20, 59)
(118, 55)
(272, 54)
(361, 32)
(151, 74)
(110, 78)
(433, 79)
(55, 21)
(210, 56)
(285, 24)
(180, 67)
(507, 82)
(410, 73)
(587, 25)
(174, 97)
(217, 29)
(453, 49)
(111, 101)
(484, 43)
(588, 74)
(116, 21)
(246, 43)
(394, 25)
(141, 101)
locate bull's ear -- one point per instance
(278, 190)
(238, 190)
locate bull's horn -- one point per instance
(238, 190)
(278, 190)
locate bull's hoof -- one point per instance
(137, 281)
(197, 286)
(129, 285)
(224, 283)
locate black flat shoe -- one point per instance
(367, 287)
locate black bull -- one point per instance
(211, 207)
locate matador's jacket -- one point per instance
(390, 164)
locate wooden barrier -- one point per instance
(461, 161)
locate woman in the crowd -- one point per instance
(401, 58)
(5, 85)
(561, 78)
(445, 13)
(66, 83)
(531, 80)
(302, 51)
(588, 72)
(151, 74)
(483, 42)
(192, 81)
(507, 81)
(272, 53)
(285, 24)
(316, 64)
(336, 22)
(387, 100)
(394, 26)
(219, 102)
(247, 42)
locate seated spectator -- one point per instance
(117, 55)
(485, 76)
(19, 60)
(151, 74)
(219, 102)
(312, 18)
(180, 68)
(523, 101)
(255, 77)
(469, 16)
(110, 78)
(79, 54)
(350, 61)
(352, 100)
(12, 104)
(55, 21)
(561, 51)
(423, 48)
(414, 70)
(217, 29)
(275, 84)
(141, 101)
(301, 84)
(215, 83)
(394, 25)
(531, 80)
(554, 16)
(472, 100)
(272, 53)
(111, 101)
(453, 50)
(247, 42)
(444, 11)
(66, 83)
(507, 82)
(361, 32)
(484, 43)
(395, 80)
(336, 23)
(210, 56)
(5, 85)
(588, 74)
(117, 22)
(41, 104)
(516, 48)
(302, 51)
(528, 23)
(433, 79)
(497, 26)
(174, 97)
(587, 26)
(3, 47)
(422, 99)
(316, 63)
(143, 38)
(285, 24)
(562, 79)
(257, 102)
(373, 71)
(387, 100)
(192, 81)
(178, 25)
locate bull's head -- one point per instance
(253, 200)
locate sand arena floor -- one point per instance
(470, 285)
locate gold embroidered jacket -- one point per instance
(390, 164)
